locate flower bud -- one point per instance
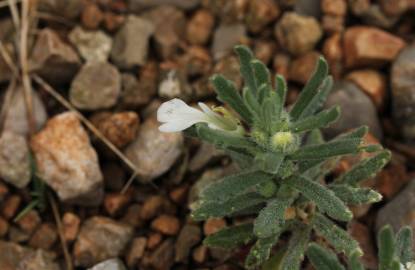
(285, 142)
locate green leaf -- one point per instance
(323, 259)
(327, 150)
(404, 245)
(357, 133)
(260, 252)
(269, 162)
(324, 198)
(261, 72)
(251, 102)
(268, 112)
(208, 209)
(245, 58)
(231, 237)
(227, 93)
(263, 93)
(233, 185)
(336, 236)
(319, 99)
(271, 218)
(243, 160)
(310, 89)
(365, 169)
(296, 248)
(354, 262)
(315, 137)
(320, 120)
(355, 196)
(386, 245)
(223, 139)
(281, 89)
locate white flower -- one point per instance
(175, 115)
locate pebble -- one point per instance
(332, 24)
(17, 235)
(15, 165)
(131, 43)
(132, 216)
(403, 89)
(196, 62)
(111, 264)
(394, 7)
(399, 211)
(115, 202)
(53, 59)
(136, 252)
(199, 27)
(298, 34)
(205, 154)
(359, 7)
(370, 46)
(372, 82)
(91, 45)
(334, 7)
(70, 224)
(10, 206)
(281, 63)
(16, 117)
(351, 99)
(154, 152)
(152, 206)
(154, 239)
(30, 221)
(226, 36)
(200, 254)
(96, 86)
(213, 225)
(4, 227)
(100, 239)
(91, 16)
(170, 27)
(67, 162)
(260, 14)
(362, 234)
(333, 52)
(188, 237)
(307, 7)
(139, 5)
(303, 67)
(112, 21)
(69, 9)
(44, 237)
(119, 128)
(376, 17)
(174, 84)
(11, 255)
(166, 224)
(38, 260)
(163, 257)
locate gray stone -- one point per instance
(96, 86)
(100, 239)
(91, 45)
(297, 33)
(308, 8)
(16, 115)
(139, 5)
(170, 25)
(400, 211)
(205, 154)
(357, 110)
(226, 36)
(14, 159)
(403, 91)
(67, 162)
(111, 264)
(154, 152)
(130, 46)
(53, 59)
(188, 237)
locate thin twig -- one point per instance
(6, 3)
(59, 226)
(15, 14)
(48, 88)
(8, 60)
(8, 97)
(27, 84)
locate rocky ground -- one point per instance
(93, 75)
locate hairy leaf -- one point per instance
(271, 218)
(386, 244)
(230, 237)
(324, 198)
(261, 73)
(281, 89)
(320, 120)
(296, 248)
(260, 252)
(233, 185)
(337, 237)
(355, 196)
(354, 262)
(365, 169)
(319, 99)
(327, 150)
(310, 89)
(269, 162)
(208, 209)
(323, 259)
(227, 93)
(404, 245)
(245, 58)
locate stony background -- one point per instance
(115, 61)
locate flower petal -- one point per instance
(175, 126)
(177, 109)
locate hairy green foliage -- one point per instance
(284, 161)
(394, 253)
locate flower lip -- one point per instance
(175, 115)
